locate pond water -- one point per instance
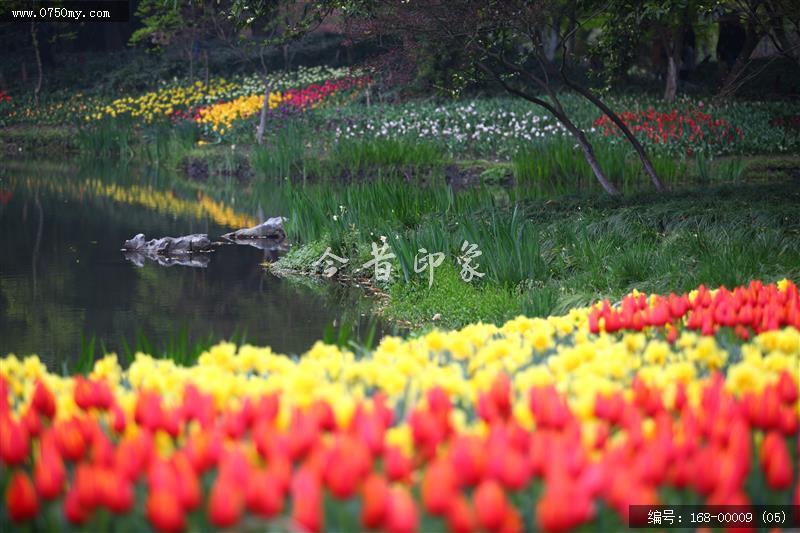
(64, 280)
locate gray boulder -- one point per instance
(271, 229)
(168, 246)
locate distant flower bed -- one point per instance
(221, 116)
(687, 131)
(540, 424)
(172, 99)
(485, 126)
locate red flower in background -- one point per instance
(689, 128)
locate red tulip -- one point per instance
(203, 450)
(5, 407)
(778, 466)
(21, 500)
(70, 439)
(116, 493)
(512, 522)
(347, 463)
(49, 475)
(43, 400)
(468, 456)
(306, 492)
(563, 507)
(514, 471)
(402, 515)
(82, 393)
(164, 511)
(132, 455)
(460, 516)
(73, 511)
(397, 465)
(14, 442)
(148, 412)
(303, 435)
(787, 388)
(225, 503)
(162, 475)
(264, 495)
(190, 493)
(490, 505)
(32, 422)
(375, 498)
(118, 420)
(86, 486)
(438, 487)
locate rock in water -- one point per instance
(168, 246)
(271, 229)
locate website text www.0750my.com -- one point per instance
(48, 13)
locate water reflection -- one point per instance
(63, 277)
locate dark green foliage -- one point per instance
(179, 347)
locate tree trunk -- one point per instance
(191, 61)
(557, 110)
(781, 40)
(588, 154)
(637, 146)
(40, 72)
(671, 88)
(205, 62)
(550, 41)
(262, 122)
(673, 45)
(750, 43)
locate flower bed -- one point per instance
(478, 126)
(221, 116)
(687, 131)
(539, 424)
(172, 99)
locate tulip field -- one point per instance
(547, 424)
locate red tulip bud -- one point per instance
(14, 441)
(375, 498)
(43, 400)
(21, 500)
(778, 466)
(70, 439)
(49, 475)
(264, 495)
(490, 505)
(165, 512)
(225, 503)
(460, 517)
(402, 515)
(307, 497)
(438, 487)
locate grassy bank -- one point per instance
(542, 257)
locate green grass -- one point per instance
(283, 156)
(542, 257)
(160, 145)
(179, 347)
(294, 152)
(384, 158)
